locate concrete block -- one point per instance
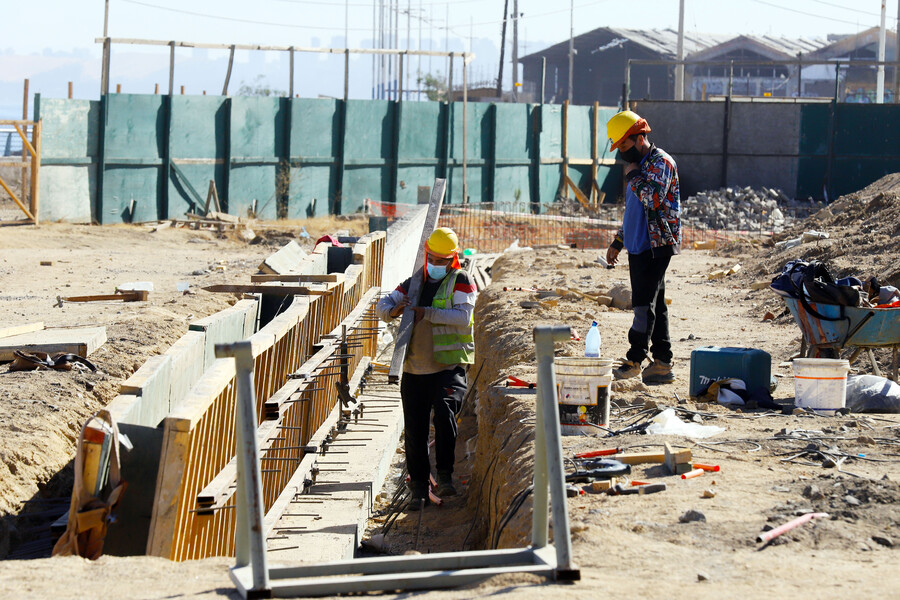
(125, 408)
(81, 341)
(188, 356)
(151, 383)
(286, 260)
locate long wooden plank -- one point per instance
(292, 278)
(20, 329)
(264, 289)
(406, 322)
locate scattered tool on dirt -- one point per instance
(516, 382)
(651, 488)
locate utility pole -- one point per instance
(679, 68)
(897, 57)
(879, 81)
(515, 51)
(571, 46)
(104, 75)
(502, 49)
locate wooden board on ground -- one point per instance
(286, 260)
(20, 329)
(81, 341)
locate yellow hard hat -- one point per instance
(624, 124)
(443, 242)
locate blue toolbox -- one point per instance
(712, 363)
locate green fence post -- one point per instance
(340, 159)
(101, 158)
(283, 171)
(163, 203)
(226, 159)
(492, 165)
(445, 151)
(537, 120)
(397, 108)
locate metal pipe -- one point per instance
(879, 78)
(250, 543)
(554, 475)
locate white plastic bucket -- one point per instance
(820, 384)
(582, 391)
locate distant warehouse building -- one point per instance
(601, 57)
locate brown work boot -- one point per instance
(658, 372)
(628, 369)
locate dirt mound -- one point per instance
(863, 238)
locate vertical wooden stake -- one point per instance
(156, 88)
(70, 90)
(182, 90)
(118, 88)
(565, 148)
(595, 155)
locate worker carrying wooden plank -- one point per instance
(433, 384)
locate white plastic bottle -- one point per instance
(592, 342)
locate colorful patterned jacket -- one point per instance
(655, 183)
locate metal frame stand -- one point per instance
(254, 579)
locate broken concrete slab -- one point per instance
(82, 341)
(286, 260)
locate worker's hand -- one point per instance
(631, 167)
(399, 307)
(612, 255)
(420, 313)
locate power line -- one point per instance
(850, 8)
(237, 20)
(529, 16)
(809, 14)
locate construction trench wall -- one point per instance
(132, 157)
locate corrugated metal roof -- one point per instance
(665, 41)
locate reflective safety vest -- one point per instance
(452, 344)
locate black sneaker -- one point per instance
(417, 493)
(445, 485)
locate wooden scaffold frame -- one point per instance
(33, 149)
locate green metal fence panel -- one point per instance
(579, 136)
(479, 145)
(513, 153)
(133, 178)
(315, 151)
(68, 159)
(421, 143)
(551, 147)
(368, 152)
(256, 140)
(197, 150)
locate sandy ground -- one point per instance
(631, 545)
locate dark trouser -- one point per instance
(443, 394)
(650, 329)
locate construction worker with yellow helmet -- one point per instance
(651, 233)
(442, 345)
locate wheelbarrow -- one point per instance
(829, 328)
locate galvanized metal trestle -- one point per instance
(448, 569)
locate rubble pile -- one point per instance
(745, 209)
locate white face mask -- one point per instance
(436, 272)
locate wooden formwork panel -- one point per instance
(198, 445)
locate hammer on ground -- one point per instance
(651, 488)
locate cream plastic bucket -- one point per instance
(820, 384)
(582, 391)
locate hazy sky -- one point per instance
(53, 41)
(69, 24)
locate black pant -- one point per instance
(650, 328)
(443, 394)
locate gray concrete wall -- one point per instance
(763, 143)
(401, 246)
